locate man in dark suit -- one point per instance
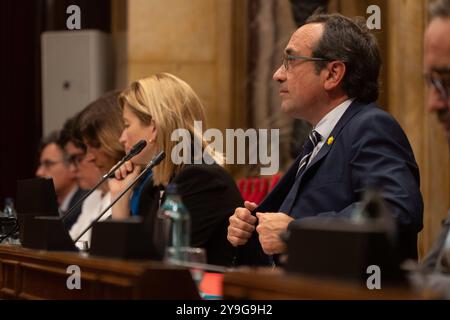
(75, 151)
(54, 163)
(329, 77)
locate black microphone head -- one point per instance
(136, 149)
(158, 158)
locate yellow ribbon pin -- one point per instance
(330, 140)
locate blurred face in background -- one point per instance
(98, 155)
(53, 165)
(86, 171)
(437, 70)
(134, 131)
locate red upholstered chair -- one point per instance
(274, 180)
(260, 187)
(255, 189)
(244, 188)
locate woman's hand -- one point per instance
(122, 177)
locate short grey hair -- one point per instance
(440, 9)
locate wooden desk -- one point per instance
(267, 284)
(34, 274)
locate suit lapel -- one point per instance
(274, 199)
(352, 110)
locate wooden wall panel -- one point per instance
(171, 36)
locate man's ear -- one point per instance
(334, 75)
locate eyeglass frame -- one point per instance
(76, 158)
(49, 163)
(438, 83)
(290, 57)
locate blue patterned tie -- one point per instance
(308, 147)
(313, 139)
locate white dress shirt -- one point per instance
(327, 124)
(90, 210)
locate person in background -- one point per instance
(70, 139)
(54, 163)
(97, 128)
(329, 77)
(433, 271)
(87, 173)
(153, 108)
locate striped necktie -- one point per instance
(313, 139)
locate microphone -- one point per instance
(154, 162)
(137, 148)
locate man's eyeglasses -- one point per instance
(287, 58)
(49, 163)
(440, 80)
(76, 158)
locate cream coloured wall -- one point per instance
(192, 40)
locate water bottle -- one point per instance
(174, 225)
(9, 222)
(3, 221)
(9, 210)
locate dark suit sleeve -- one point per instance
(432, 261)
(380, 157)
(211, 196)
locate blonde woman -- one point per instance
(153, 108)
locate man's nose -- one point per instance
(73, 168)
(435, 101)
(280, 74)
(40, 172)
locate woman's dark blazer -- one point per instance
(210, 195)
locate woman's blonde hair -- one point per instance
(171, 104)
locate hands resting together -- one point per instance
(270, 226)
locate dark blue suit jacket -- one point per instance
(369, 149)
